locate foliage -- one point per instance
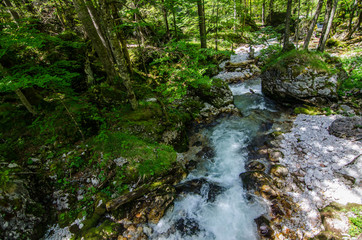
(36, 65)
(353, 66)
(181, 65)
(4, 177)
(356, 222)
(267, 54)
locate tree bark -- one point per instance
(217, 24)
(12, 12)
(351, 15)
(287, 25)
(263, 13)
(25, 101)
(312, 24)
(202, 25)
(164, 10)
(271, 9)
(174, 19)
(234, 27)
(324, 37)
(20, 94)
(106, 45)
(297, 28)
(355, 27)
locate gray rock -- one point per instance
(294, 86)
(350, 128)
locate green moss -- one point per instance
(276, 133)
(307, 110)
(301, 59)
(107, 230)
(145, 158)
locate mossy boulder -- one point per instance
(302, 77)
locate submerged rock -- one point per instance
(200, 186)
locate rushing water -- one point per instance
(220, 209)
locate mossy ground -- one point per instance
(314, 60)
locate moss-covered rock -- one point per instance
(22, 213)
(301, 77)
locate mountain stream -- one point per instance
(221, 208)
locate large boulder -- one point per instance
(301, 79)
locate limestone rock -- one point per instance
(350, 128)
(295, 86)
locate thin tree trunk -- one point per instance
(287, 25)
(139, 28)
(234, 27)
(174, 19)
(263, 13)
(25, 101)
(217, 24)
(356, 26)
(312, 24)
(326, 18)
(351, 15)
(164, 9)
(323, 39)
(250, 8)
(297, 28)
(308, 8)
(12, 12)
(120, 34)
(271, 9)
(107, 46)
(202, 27)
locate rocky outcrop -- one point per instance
(300, 77)
(22, 211)
(292, 86)
(211, 100)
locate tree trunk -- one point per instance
(351, 15)
(12, 12)
(106, 45)
(217, 24)
(20, 94)
(324, 37)
(250, 8)
(355, 27)
(297, 28)
(263, 13)
(326, 18)
(312, 24)
(164, 10)
(287, 25)
(234, 27)
(25, 101)
(117, 20)
(271, 9)
(202, 25)
(308, 8)
(174, 19)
